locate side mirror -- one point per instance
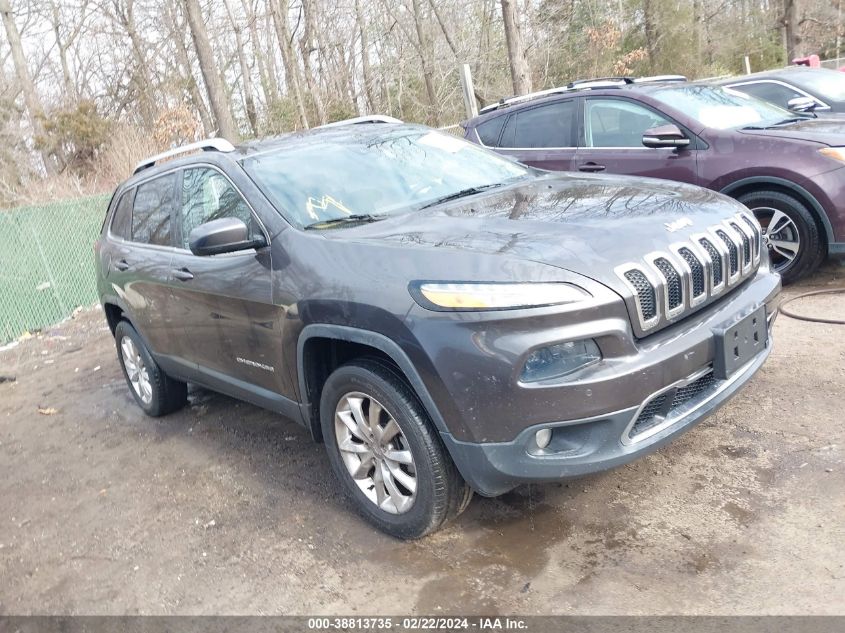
(802, 104)
(665, 136)
(225, 235)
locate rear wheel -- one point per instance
(790, 233)
(384, 450)
(154, 391)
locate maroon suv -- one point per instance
(788, 169)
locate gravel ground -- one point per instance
(224, 508)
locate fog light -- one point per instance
(543, 437)
(559, 360)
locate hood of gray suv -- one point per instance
(585, 224)
(595, 226)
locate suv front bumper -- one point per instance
(676, 364)
(580, 447)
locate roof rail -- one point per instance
(207, 145)
(580, 84)
(659, 78)
(367, 118)
(604, 80)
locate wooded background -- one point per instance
(88, 87)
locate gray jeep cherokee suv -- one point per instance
(445, 319)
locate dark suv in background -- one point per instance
(817, 90)
(788, 168)
(445, 319)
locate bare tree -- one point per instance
(425, 57)
(279, 10)
(790, 21)
(246, 76)
(306, 46)
(520, 72)
(33, 103)
(214, 86)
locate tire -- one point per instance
(159, 394)
(440, 493)
(795, 225)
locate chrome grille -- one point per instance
(733, 251)
(674, 286)
(746, 243)
(696, 269)
(645, 293)
(691, 273)
(716, 273)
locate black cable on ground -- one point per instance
(813, 319)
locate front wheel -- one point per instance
(790, 233)
(385, 452)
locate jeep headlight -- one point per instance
(495, 296)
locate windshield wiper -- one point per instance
(463, 193)
(355, 218)
(778, 124)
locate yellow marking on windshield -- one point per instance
(312, 206)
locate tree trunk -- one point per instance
(428, 75)
(183, 63)
(279, 9)
(365, 56)
(246, 78)
(306, 45)
(213, 84)
(33, 103)
(268, 86)
(520, 73)
(791, 30)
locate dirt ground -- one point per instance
(224, 508)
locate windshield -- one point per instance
(329, 177)
(827, 84)
(722, 109)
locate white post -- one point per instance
(747, 65)
(469, 92)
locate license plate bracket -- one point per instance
(739, 342)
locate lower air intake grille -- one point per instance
(663, 406)
(673, 281)
(645, 292)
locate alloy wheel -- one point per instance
(780, 236)
(375, 452)
(136, 370)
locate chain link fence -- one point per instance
(47, 262)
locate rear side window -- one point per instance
(154, 203)
(489, 131)
(544, 126)
(121, 224)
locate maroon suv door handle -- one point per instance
(121, 265)
(591, 167)
(183, 274)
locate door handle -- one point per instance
(183, 274)
(591, 167)
(121, 264)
